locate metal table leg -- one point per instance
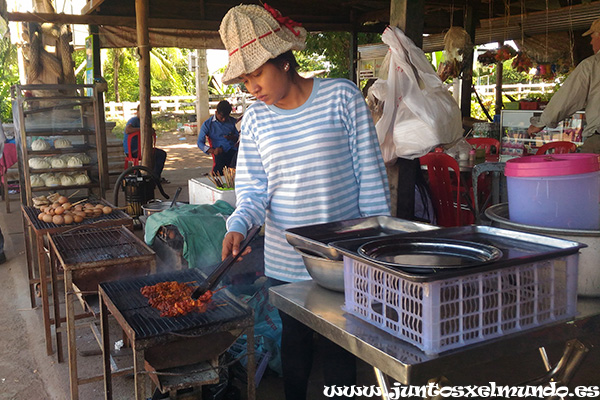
(105, 348)
(44, 293)
(30, 267)
(56, 303)
(251, 365)
(139, 374)
(71, 335)
(382, 381)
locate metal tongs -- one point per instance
(213, 279)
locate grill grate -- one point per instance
(98, 244)
(146, 320)
(32, 214)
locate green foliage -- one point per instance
(332, 49)
(9, 75)
(168, 70)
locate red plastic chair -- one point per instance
(129, 158)
(485, 143)
(558, 147)
(445, 188)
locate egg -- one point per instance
(88, 205)
(58, 219)
(63, 199)
(59, 210)
(68, 219)
(67, 206)
(41, 216)
(77, 219)
(47, 218)
(78, 207)
(106, 210)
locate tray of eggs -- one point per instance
(63, 212)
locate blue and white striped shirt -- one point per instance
(317, 163)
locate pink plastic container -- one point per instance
(558, 191)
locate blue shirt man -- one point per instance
(222, 136)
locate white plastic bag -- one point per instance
(419, 114)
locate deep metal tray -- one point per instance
(517, 248)
(317, 237)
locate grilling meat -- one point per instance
(174, 298)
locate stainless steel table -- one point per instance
(321, 309)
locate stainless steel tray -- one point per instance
(517, 248)
(317, 237)
(428, 255)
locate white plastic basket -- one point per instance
(451, 313)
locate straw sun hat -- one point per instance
(253, 35)
(595, 28)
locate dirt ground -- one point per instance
(183, 152)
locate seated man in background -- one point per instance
(160, 156)
(223, 137)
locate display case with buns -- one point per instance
(60, 141)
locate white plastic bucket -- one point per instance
(557, 191)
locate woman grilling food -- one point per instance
(308, 154)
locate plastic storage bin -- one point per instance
(447, 314)
(203, 191)
(558, 191)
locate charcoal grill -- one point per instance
(34, 232)
(87, 257)
(186, 346)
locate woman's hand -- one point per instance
(231, 245)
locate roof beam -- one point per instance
(111, 21)
(108, 20)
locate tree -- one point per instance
(168, 69)
(9, 75)
(331, 49)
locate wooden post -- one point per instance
(408, 16)
(499, 84)
(202, 105)
(101, 128)
(353, 56)
(142, 12)
(471, 21)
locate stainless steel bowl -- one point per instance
(327, 273)
(155, 206)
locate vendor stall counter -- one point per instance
(321, 309)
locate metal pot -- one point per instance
(154, 206)
(589, 259)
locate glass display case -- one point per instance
(515, 141)
(60, 146)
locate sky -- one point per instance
(215, 60)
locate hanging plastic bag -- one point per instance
(419, 114)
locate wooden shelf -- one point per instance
(61, 132)
(67, 111)
(77, 148)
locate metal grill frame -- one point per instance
(88, 274)
(125, 307)
(34, 232)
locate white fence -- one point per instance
(175, 104)
(518, 89)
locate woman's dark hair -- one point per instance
(224, 108)
(285, 58)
